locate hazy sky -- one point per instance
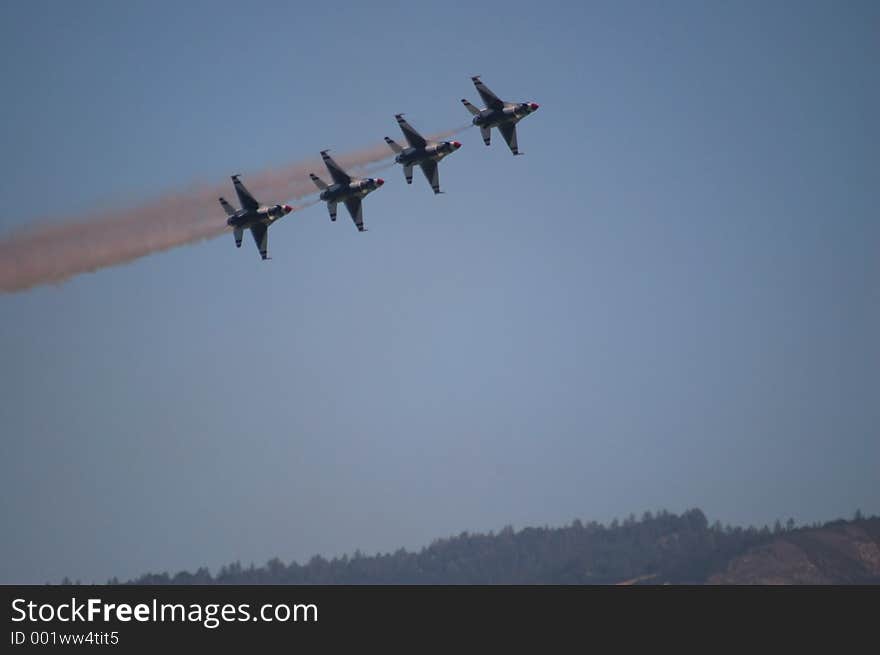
(670, 301)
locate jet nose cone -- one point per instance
(533, 106)
(456, 145)
(379, 181)
(287, 209)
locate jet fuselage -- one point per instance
(244, 218)
(354, 189)
(508, 114)
(436, 151)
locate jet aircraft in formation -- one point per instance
(347, 189)
(252, 216)
(422, 152)
(500, 114)
(352, 190)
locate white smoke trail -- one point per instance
(52, 253)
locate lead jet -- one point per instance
(424, 153)
(500, 114)
(347, 189)
(252, 216)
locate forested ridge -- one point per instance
(659, 548)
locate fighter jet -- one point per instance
(252, 216)
(350, 190)
(500, 114)
(424, 153)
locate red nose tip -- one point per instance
(287, 209)
(456, 145)
(379, 181)
(534, 105)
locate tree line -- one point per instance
(662, 547)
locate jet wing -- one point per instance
(356, 209)
(492, 101)
(227, 207)
(432, 174)
(414, 139)
(508, 131)
(339, 176)
(260, 231)
(245, 198)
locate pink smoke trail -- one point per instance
(52, 253)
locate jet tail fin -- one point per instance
(318, 181)
(226, 206)
(393, 145)
(470, 107)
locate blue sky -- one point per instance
(670, 301)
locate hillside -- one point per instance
(840, 553)
(661, 548)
